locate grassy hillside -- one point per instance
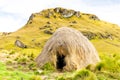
(40, 27)
(34, 33)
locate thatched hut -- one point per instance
(68, 50)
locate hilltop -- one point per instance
(42, 25)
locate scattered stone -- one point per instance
(44, 27)
(74, 22)
(48, 22)
(30, 22)
(71, 25)
(47, 26)
(48, 32)
(20, 44)
(37, 44)
(47, 16)
(57, 9)
(41, 28)
(94, 17)
(108, 36)
(77, 14)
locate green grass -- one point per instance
(14, 74)
(108, 68)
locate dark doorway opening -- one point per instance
(60, 61)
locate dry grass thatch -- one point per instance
(68, 50)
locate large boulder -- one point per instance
(20, 44)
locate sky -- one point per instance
(15, 13)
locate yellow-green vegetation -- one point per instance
(39, 28)
(15, 74)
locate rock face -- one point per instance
(68, 50)
(30, 19)
(61, 13)
(66, 13)
(57, 9)
(20, 44)
(77, 14)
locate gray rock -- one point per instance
(77, 14)
(94, 17)
(20, 44)
(31, 17)
(57, 9)
(68, 13)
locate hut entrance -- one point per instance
(60, 61)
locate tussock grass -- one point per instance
(14, 74)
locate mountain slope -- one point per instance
(42, 25)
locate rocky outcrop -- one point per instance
(91, 35)
(57, 9)
(31, 18)
(20, 44)
(77, 14)
(67, 13)
(94, 17)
